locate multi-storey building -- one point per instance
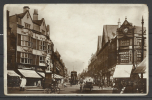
(30, 45)
(121, 49)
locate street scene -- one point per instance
(76, 49)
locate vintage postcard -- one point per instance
(76, 50)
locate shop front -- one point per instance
(13, 79)
(31, 76)
(121, 77)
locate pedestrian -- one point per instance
(23, 83)
(100, 84)
(62, 82)
(39, 84)
(43, 82)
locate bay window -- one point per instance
(25, 58)
(42, 45)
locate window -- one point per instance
(42, 59)
(124, 56)
(43, 32)
(26, 41)
(138, 55)
(139, 42)
(49, 49)
(124, 43)
(26, 58)
(42, 45)
(27, 25)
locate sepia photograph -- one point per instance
(76, 49)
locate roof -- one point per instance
(21, 15)
(99, 43)
(109, 32)
(138, 29)
(38, 22)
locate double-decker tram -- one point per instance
(74, 80)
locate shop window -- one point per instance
(42, 59)
(26, 41)
(26, 58)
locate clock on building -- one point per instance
(125, 30)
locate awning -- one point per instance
(122, 71)
(57, 76)
(12, 73)
(29, 73)
(42, 74)
(141, 68)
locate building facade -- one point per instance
(30, 47)
(121, 45)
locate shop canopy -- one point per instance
(42, 74)
(29, 73)
(57, 76)
(122, 71)
(141, 68)
(12, 73)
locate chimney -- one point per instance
(119, 23)
(25, 8)
(35, 14)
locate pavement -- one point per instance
(74, 89)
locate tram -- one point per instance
(73, 80)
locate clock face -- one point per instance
(125, 30)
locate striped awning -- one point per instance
(12, 73)
(29, 73)
(42, 74)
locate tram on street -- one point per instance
(73, 80)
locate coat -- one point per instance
(23, 82)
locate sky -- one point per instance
(74, 28)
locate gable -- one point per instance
(43, 26)
(27, 19)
